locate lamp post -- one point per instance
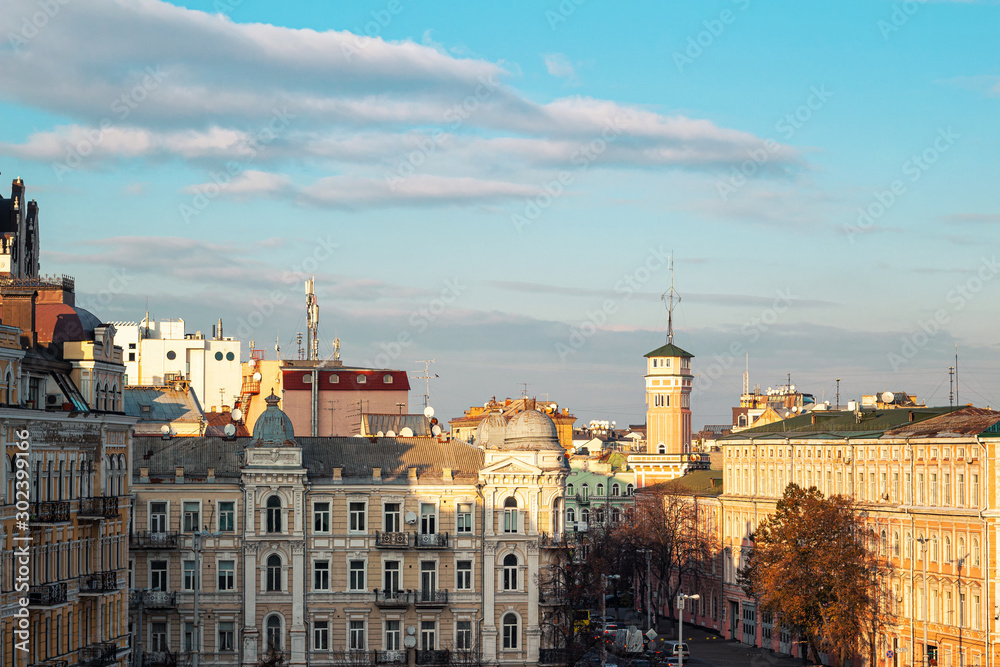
(680, 624)
(923, 550)
(604, 643)
(649, 588)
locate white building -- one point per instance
(158, 351)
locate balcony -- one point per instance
(552, 656)
(98, 508)
(392, 540)
(397, 657)
(432, 540)
(47, 595)
(159, 659)
(430, 598)
(99, 583)
(552, 596)
(582, 500)
(153, 541)
(50, 663)
(357, 657)
(55, 511)
(435, 657)
(98, 655)
(392, 598)
(153, 599)
(547, 541)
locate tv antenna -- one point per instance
(668, 298)
(427, 377)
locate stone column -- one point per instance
(251, 635)
(489, 638)
(298, 629)
(532, 627)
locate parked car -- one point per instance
(677, 649)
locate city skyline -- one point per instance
(498, 188)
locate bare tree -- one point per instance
(568, 583)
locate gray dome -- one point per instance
(273, 427)
(492, 431)
(532, 430)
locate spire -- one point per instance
(668, 298)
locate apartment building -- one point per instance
(335, 550)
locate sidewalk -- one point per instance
(708, 648)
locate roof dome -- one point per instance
(273, 427)
(532, 430)
(60, 322)
(492, 431)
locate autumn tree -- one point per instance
(816, 566)
(568, 582)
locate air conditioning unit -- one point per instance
(51, 400)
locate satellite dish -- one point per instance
(409, 642)
(410, 517)
(429, 411)
(230, 430)
(252, 363)
(390, 434)
(888, 397)
(406, 432)
(380, 434)
(435, 430)
(165, 430)
(553, 406)
(236, 414)
(257, 376)
(411, 630)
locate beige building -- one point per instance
(360, 550)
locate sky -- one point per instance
(498, 186)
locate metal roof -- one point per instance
(841, 424)
(419, 424)
(669, 350)
(166, 404)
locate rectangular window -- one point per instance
(907, 488)
(392, 642)
(321, 635)
(428, 635)
(357, 575)
(463, 571)
(321, 575)
(920, 488)
(391, 576)
(189, 637)
(895, 487)
(158, 575)
(158, 517)
(227, 634)
(463, 635)
(960, 490)
(190, 576)
(974, 491)
(464, 521)
(934, 489)
(227, 516)
(158, 636)
(227, 575)
(428, 519)
(356, 512)
(191, 513)
(321, 517)
(391, 520)
(946, 497)
(356, 635)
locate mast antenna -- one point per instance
(669, 299)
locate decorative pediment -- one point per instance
(510, 467)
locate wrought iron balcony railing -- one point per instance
(397, 657)
(53, 511)
(99, 507)
(430, 598)
(552, 656)
(392, 540)
(99, 583)
(100, 654)
(433, 657)
(152, 541)
(392, 598)
(432, 540)
(47, 595)
(153, 599)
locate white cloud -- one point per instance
(559, 65)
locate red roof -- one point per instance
(347, 380)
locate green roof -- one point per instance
(842, 423)
(669, 350)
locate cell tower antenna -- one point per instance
(957, 401)
(427, 377)
(669, 298)
(312, 320)
(951, 385)
(298, 344)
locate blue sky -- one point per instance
(495, 185)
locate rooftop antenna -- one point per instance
(277, 346)
(312, 319)
(838, 393)
(951, 386)
(426, 377)
(298, 344)
(524, 390)
(668, 298)
(336, 349)
(957, 402)
(746, 376)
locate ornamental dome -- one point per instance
(532, 430)
(492, 431)
(273, 427)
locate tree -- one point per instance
(272, 658)
(814, 566)
(567, 583)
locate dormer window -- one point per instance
(334, 378)
(386, 379)
(362, 379)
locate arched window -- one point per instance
(934, 548)
(585, 515)
(661, 449)
(570, 515)
(975, 552)
(883, 545)
(273, 514)
(616, 490)
(510, 633)
(510, 515)
(616, 515)
(600, 489)
(947, 548)
(895, 543)
(273, 626)
(629, 489)
(960, 545)
(585, 492)
(569, 490)
(274, 572)
(510, 572)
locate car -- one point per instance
(677, 649)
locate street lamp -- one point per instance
(649, 587)
(680, 624)
(604, 644)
